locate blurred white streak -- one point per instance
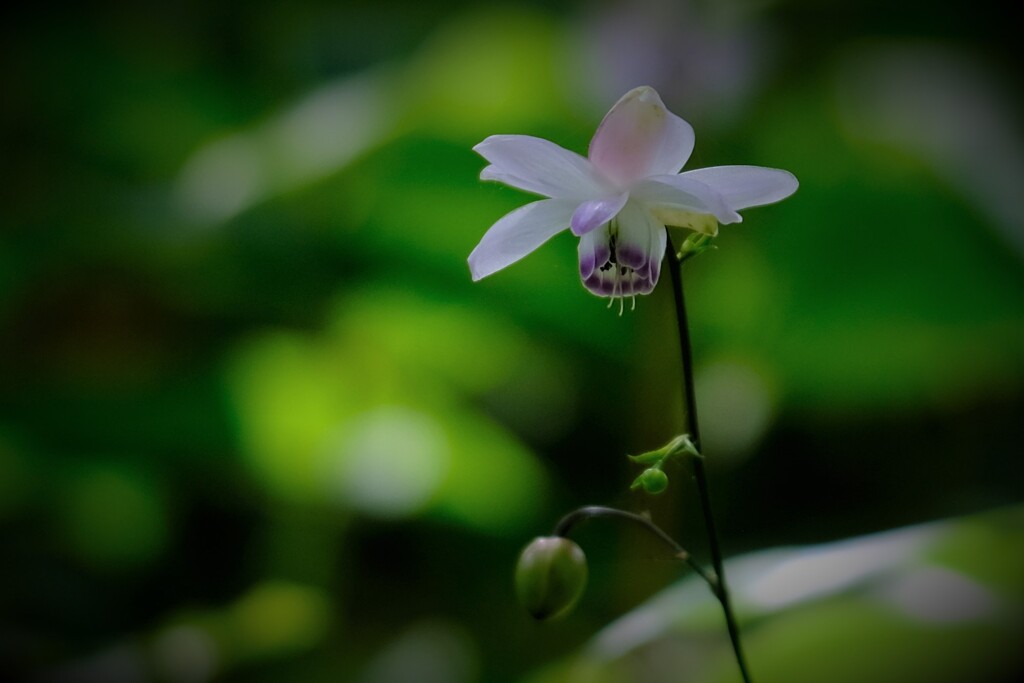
(706, 62)
(949, 110)
(769, 581)
(320, 134)
(938, 595)
(224, 178)
(823, 570)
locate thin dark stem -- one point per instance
(690, 408)
(566, 524)
(689, 397)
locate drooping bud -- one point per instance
(550, 577)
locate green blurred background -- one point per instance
(257, 424)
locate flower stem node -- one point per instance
(551, 575)
(696, 243)
(652, 480)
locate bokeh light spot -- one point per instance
(391, 461)
(114, 518)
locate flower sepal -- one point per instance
(704, 224)
(695, 243)
(679, 445)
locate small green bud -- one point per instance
(706, 227)
(653, 480)
(550, 577)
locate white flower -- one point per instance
(619, 200)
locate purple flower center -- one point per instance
(625, 272)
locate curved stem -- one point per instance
(566, 524)
(690, 408)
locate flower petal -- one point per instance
(637, 237)
(539, 166)
(596, 212)
(655, 257)
(744, 186)
(593, 251)
(601, 284)
(518, 233)
(667, 193)
(640, 137)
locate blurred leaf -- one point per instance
(468, 348)
(485, 71)
(286, 407)
(871, 289)
(18, 477)
(494, 483)
(371, 413)
(277, 618)
(113, 517)
(902, 606)
(273, 619)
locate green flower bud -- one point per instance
(550, 577)
(653, 480)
